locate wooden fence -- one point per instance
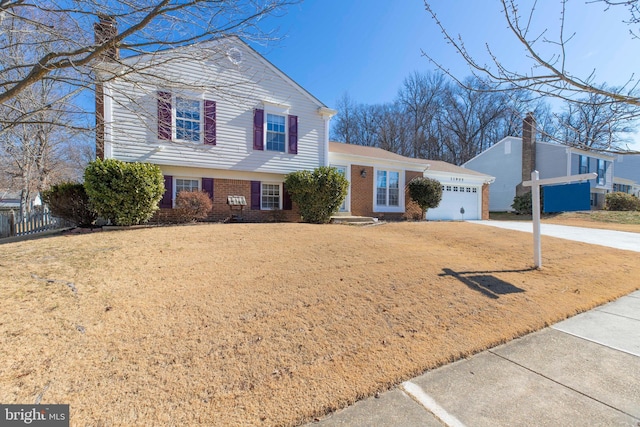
(11, 225)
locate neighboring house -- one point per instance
(231, 124)
(512, 160)
(627, 174)
(378, 178)
(10, 201)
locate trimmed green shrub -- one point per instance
(318, 193)
(124, 193)
(523, 205)
(426, 192)
(619, 201)
(69, 201)
(192, 205)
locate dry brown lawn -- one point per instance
(272, 324)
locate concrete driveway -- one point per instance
(584, 371)
(613, 239)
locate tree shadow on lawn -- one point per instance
(485, 283)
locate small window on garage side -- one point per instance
(448, 188)
(474, 190)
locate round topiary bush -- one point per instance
(619, 201)
(318, 193)
(124, 193)
(426, 192)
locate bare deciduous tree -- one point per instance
(52, 53)
(549, 74)
(143, 27)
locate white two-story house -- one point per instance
(215, 117)
(218, 117)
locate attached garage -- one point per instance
(378, 179)
(459, 202)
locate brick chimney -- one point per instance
(105, 29)
(528, 152)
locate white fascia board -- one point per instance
(376, 162)
(107, 105)
(449, 177)
(618, 180)
(594, 154)
(280, 73)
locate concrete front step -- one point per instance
(349, 219)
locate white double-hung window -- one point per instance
(276, 132)
(188, 116)
(270, 196)
(388, 188)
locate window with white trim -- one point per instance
(388, 188)
(187, 185)
(601, 171)
(188, 119)
(583, 164)
(270, 196)
(276, 132)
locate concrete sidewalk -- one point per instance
(584, 371)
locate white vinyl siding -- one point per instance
(133, 133)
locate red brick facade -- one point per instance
(485, 201)
(362, 195)
(221, 211)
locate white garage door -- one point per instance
(455, 197)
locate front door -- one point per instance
(342, 170)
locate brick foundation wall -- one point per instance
(221, 211)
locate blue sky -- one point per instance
(367, 47)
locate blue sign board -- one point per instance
(566, 197)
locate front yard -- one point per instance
(272, 324)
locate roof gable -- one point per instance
(231, 49)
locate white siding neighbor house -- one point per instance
(512, 160)
(627, 174)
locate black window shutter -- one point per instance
(258, 129)
(255, 195)
(167, 198)
(207, 187)
(287, 204)
(209, 122)
(293, 134)
(164, 115)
